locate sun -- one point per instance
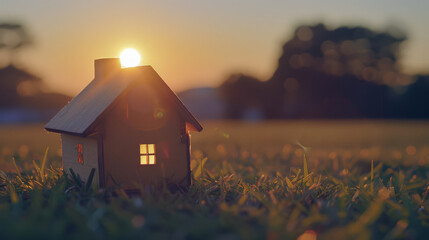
(129, 58)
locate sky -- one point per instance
(193, 43)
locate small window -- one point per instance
(80, 153)
(147, 154)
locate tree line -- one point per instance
(346, 72)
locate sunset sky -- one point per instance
(193, 43)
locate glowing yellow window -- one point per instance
(147, 154)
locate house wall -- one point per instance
(123, 135)
(70, 156)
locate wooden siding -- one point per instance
(121, 144)
(70, 156)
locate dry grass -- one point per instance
(250, 182)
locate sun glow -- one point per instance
(129, 58)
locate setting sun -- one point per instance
(130, 58)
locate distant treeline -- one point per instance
(23, 96)
(348, 72)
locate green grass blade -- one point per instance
(305, 167)
(16, 168)
(3, 175)
(89, 180)
(36, 166)
(289, 183)
(306, 179)
(76, 178)
(199, 169)
(42, 168)
(297, 176)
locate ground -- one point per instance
(352, 180)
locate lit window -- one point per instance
(79, 153)
(147, 154)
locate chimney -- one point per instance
(106, 67)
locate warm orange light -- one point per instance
(129, 58)
(147, 154)
(308, 235)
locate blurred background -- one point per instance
(285, 70)
(248, 60)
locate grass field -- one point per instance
(251, 181)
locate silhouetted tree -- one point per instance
(413, 101)
(21, 93)
(241, 92)
(340, 73)
(13, 36)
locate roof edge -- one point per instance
(63, 132)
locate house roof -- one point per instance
(80, 114)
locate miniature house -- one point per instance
(129, 126)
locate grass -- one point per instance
(274, 190)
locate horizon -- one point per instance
(226, 39)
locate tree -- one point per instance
(341, 73)
(13, 37)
